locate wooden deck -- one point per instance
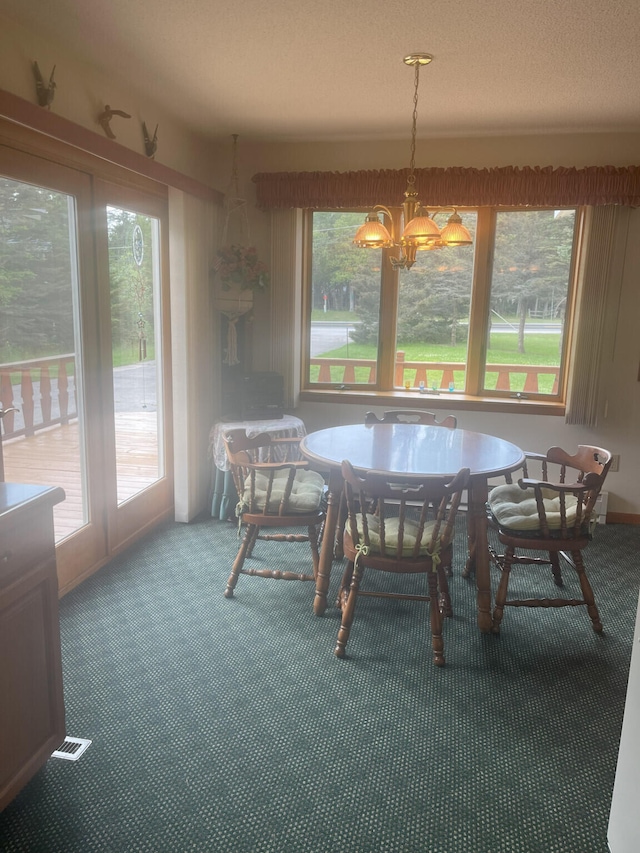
(51, 458)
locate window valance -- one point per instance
(536, 186)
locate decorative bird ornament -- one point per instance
(150, 143)
(44, 92)
(105, 117)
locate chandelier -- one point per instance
(420, 230)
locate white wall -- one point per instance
(83, 90)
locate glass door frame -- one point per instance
(87, 546)
(155, 503)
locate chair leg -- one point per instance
(238, 563)
(436, 620)
(554, 559)
(338, 552)
(314, 537)
(348, 611)
(587, 592)
(501, 594)
(254, 537)
(345, 584)
(444, 599)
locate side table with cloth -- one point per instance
(422, 451)
(223, 493)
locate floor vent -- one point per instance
(71, 748)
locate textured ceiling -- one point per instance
(301, 70)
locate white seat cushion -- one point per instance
(516, 508)
(391, 528)
(306, 492)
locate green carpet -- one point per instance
(229, 725)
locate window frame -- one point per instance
(474, 396)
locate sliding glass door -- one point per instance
(83, 349)
(134, 328)
(47, 316)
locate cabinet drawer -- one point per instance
(23, 544)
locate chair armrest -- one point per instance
(574, 488)
(531, 454)
(298, 465)
(286, 439)
(287, 447)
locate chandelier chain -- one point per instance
(414, 123)
(234, 166)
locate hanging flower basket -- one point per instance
(239, 268)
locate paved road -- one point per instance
(328, 336)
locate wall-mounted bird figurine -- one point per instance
(105, 117)
(150, 143)
(44, 91)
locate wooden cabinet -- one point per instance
(32, 722)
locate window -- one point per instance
(489, 320)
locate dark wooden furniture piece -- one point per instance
(408, 529)
(32, 721)
(423, 451)
(410, 416)
(277, 490)
(557, 518)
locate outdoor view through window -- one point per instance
(519, 326)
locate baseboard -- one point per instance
(623, 518)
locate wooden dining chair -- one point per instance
(276, 491)
(410, 416)
(553, 514)
(408, 530)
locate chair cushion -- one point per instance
(391, 529)
(306, 492)
(516, 508)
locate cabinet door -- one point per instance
(32, 708)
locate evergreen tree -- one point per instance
(35, 271)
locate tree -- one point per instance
(531, 260)
(434, 297)
(341, 272)
(36, 279)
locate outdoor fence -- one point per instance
(438, 375)
(43, 391)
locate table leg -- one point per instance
(328, 543)
(479, 552)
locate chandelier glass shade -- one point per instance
(420, 232)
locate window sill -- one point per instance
(444, 401)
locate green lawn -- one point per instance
(540, 349)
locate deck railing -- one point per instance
(434, 374)
(43, 391)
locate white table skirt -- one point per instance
(287, 426)
(224, 497)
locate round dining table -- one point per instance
(419, 451)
